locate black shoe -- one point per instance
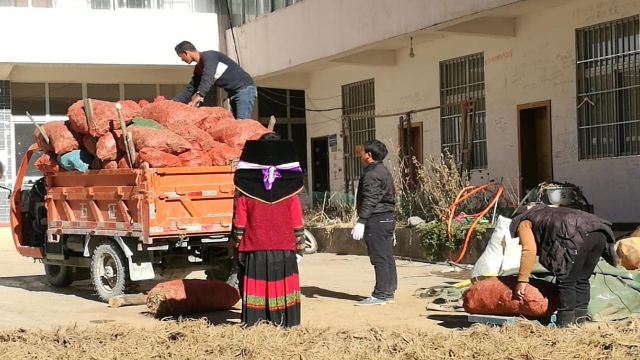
(565, 318)
(581, 316)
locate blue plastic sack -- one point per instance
(78, 160)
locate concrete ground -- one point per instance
(330, 286)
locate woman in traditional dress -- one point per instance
(269, 227)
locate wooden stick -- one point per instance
(127, 300)
(40, 129)
(272, 123)
(128, 142)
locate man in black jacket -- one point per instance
(375, 202)
(215, 68)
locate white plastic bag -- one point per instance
(502, 253)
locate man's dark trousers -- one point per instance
(378, 235)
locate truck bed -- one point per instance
(144, 203)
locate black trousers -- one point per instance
(378, 235)
(574, 287)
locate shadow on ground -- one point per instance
(314, 292)
(451, 321)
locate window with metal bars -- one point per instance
(462, 79)
(359, 124)
(608, 89)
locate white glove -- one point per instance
(298, 257)
(358, 232)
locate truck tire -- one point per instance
(310, 243)
(58, 276)
(109, 270)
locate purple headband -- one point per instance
(269, 172)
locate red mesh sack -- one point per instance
(190, 296)
(172, 114)
(236, 133)
(104, 116)
(159, 98)
(123, 163)
(210, 123)
(198, 138)
(194, 158)
(157, 158)
(494, 296)
(215, 112)
(89, 143)
(222, 154)
(109, 164)
(159, 139)
(61, 139)
(107, 145)
(47, 163)
(143, 103)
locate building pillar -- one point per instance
(6, 153)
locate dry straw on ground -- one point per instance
(198, 340)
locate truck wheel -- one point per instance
(221, 271)
(310, 243)
(109, 272)
(58, 276)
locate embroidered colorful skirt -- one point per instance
(270, 288)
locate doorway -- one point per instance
(534, 145)
(319, 167)
(415, 140)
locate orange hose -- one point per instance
(463, 195)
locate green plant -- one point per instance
(434, 238)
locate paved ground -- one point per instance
(330, 285)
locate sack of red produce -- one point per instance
(47, 163)
(123, 162)
(168, 113)
(216, 112)
(222, 154)
(61, 139)
(159, 139)
(236, 133)
(157, 158)
(104, 117)
(190, 296)
(109, 164)
(107, 145)
(198, 138)
(495, 296)
(210, 123)
(194, 158)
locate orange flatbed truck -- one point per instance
(120, 226)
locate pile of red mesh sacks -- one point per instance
(164, 133)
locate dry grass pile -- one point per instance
(198, 340)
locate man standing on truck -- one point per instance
(375, 203)
(215, 68)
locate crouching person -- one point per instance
(569, 243)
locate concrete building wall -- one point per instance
(538, 64)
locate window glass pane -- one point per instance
(272, 102)
(279, 4)
(171, 90)
(264, 7)
(14, 3)
(28, 97)
(42, 3)
(107, 92)
(134, 4)
(179, 4)
(61, 96)
(205, 6)
(23, 134)
(99, 4)
(137, 92)
(299, 137)
(297, 102)
(249, 10)
(236, 11)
